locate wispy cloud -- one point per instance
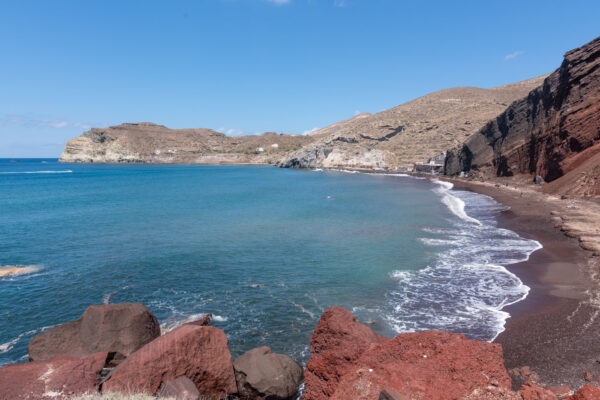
(513, 55)
(279, 2)
(310, 131)
(339, 3)
(37, 122)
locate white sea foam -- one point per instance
(466, 287)
(8, 346)
(454, 204)
(66, 171)
(177, 320)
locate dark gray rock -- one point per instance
(181, 388)
(264, 375)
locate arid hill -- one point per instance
(554, 132)
(409, 133)
(146, 142)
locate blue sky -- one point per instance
(249, 66)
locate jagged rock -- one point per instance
(337, 343)
(264, 375)
(181, 388)
(204, 321)
(553, 132)
(349, 361)
(63, 376)
(197, 352)
(588, 392)
(121, 328)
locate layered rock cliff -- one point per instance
(412, 132)
(145, 142)
(554, 132)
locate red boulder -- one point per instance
(349, 361)
(61, 377)
(197, 352)
(588, 392)
(336, 344)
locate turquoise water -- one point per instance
(265, 250)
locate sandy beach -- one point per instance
(553, 331)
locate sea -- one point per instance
(265, 250)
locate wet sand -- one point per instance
(555, 329)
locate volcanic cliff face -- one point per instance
(145, 142)
(554, 132)
(414, 131)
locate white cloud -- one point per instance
(280, 2)
(339, 3)
(310, 131)
(231, 131)
(356, 112)
(513, 55)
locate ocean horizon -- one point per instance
(265, 250)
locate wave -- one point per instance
(8, 346)
(454, 204)
(465, 288)
(17, 270)
(176, 321)
(66, 171)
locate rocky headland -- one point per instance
(146, 142)
(553, 133)
(347, 361)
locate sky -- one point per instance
(250, 66)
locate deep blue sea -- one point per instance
(265, 250)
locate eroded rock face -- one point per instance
(121, 328)
(61, 377)
(531, 391)
(264, 375)
(349, 361)
(198, 352)
(553, 132)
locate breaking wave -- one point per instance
(466, 287)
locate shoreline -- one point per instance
(552, 330)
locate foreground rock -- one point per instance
(181, 388)
(264, 375)
(121, 328)
(588, 392)
(349, 361)
(197, 352)
(552, 133)
(60, 377)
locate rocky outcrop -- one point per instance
(61, 377)
(409, 133)
(349, 361)
(145, 142)
(120, 328)
(588, 392)
(554, 132)
(264, 375)
(335, 347)
(197, 352)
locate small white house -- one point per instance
(260, 149)
(274, 145)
